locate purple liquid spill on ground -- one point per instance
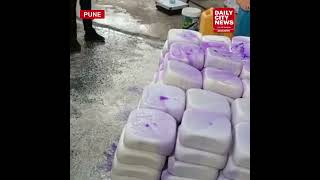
(114, 147)
(163, 98)
(109, 154)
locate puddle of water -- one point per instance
(118, 17)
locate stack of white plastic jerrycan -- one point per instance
(241, 46)
(215, 63)
(238, 165)
(166, 98)
(222, 67)
(204, 138)
(146, 141)
(182, 60)
(192, 121)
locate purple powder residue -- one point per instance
(109, 154)
(147, 125)
(243, 49)
(163, 98)
(114, 147)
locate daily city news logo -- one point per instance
(223, 19)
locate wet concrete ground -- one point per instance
(106, 82)
(139, 17)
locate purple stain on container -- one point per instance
(216, 45)
(233, 56)
(161, 67)
(243, 48)
(222, 75)
(221, 52)
(189, 35)
(240, 44)
(163, 98)
(188, 53)
(177, 52)
(188, 50)
(161, 60)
